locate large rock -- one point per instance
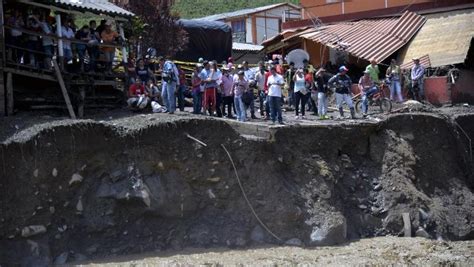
(258, 234)
(33, 230)
(168, 196)
(123, 191)
(333, 230)
(295, 242)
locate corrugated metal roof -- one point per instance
(445, 37)
(370, 38)
(246, 47)
(282, 34)
(244, 12)
(424, 61)
(103, 6)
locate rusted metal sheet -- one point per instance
(445, 37)
(437, 90)
(370, 38)
(424, 61)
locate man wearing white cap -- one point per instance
(417, 74)
(343, 85)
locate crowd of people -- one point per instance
(32, 36)
(233, 91)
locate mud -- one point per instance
(98, 189)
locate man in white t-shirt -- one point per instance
(67, 33)
(275, 82)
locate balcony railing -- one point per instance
(239, 37)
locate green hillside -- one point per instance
(189, 9)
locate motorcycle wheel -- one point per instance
(385, 105)
(358, 106)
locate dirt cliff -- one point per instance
(77, 190)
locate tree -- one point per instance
(156, 26)
(189, 9)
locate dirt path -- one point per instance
(374, 251)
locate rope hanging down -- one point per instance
(246, 198)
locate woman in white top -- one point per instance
(301, 93)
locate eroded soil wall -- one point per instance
(92, 190)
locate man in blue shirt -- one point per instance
(417, 74)
(209, 77)
(170, 81)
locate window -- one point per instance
(238, 26)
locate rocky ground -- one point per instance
(118, 185)
(380, 251)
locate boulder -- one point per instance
(295, 242)
(421, 232)
(61, 259)
(33, 230)
(75, 179)
(257, 234)
(333, 230)
(39, 254)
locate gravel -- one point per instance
(378, 251)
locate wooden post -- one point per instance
(59, 33)
(10, 102)
(82, 100)
(406, 224)
(124, 57)
(124, 50)
(3, 111)
(64, 90)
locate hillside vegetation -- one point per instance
(189, 9)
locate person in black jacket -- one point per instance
(343, 84)
(321, 81)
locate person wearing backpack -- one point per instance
(169, 81)
(343, 84)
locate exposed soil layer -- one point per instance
(86, 190)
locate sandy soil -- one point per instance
(375, 251)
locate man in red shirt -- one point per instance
(137, 95)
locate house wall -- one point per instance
(248, 30)
(263, 25)
(268, 23)
(324, 8)
(266, 28)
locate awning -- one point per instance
(445, 37)
(368, 39)
(424, 61)
(98, 7)
(246, 47)
(101, 6)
